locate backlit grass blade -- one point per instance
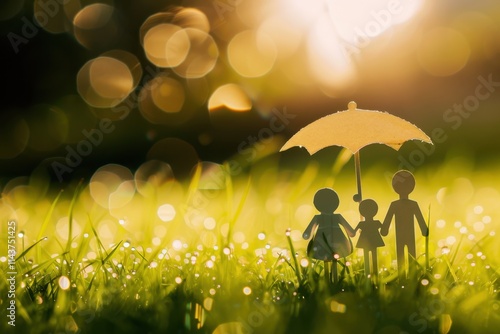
(295, 262)
(427, 240)
(70, 214)
(46, 220)
(29, 248)
(241, 203)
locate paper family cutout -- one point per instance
(354, 129)
(329, 243)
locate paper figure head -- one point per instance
(403, 182)
(368, 208)
(326, 200)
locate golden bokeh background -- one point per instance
(210, 74)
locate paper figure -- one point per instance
(404, 211)
(369, 238)
(354, 129)
(328, 243)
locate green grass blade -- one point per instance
(295, 262)
(427, 240)
(112, 252)
(70, 214)
(48, 216)
(29, 248)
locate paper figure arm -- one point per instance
(421, 221)
(348, 228)
(357, 228)
(384, 230)
(307, 233)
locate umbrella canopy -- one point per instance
(354, 129)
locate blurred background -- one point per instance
(87, 83)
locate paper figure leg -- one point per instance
(367, 261)
(400, 248)
(374, 262)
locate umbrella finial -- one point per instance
(352, 105)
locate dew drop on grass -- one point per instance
(177, 245)
(64, 283)
(166, 212)
(247, 291)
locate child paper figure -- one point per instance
(329, 242)
(404, 211)
(369, 238)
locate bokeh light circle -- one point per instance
(443, 51)
(151, 175)
(104, 82)
(167, 94)
(162, 99)
(191, 18)
(202, 56)
(112, 186)
(166, 212)
(110, 78)
(251, 55)
(166, 45)
(229, 96)
(94, 25)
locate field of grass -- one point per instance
(141, 252)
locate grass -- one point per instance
(224, 254)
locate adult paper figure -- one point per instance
(404, 212)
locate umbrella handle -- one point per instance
(357, 197)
